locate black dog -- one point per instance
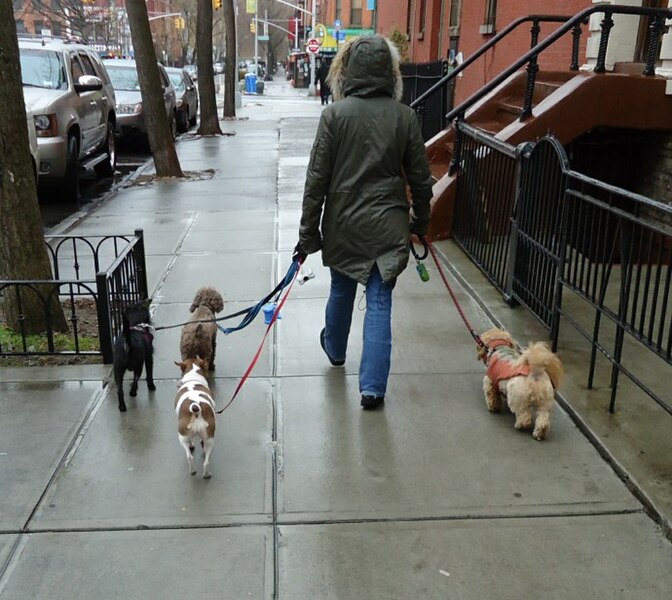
(133, 349)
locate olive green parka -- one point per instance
(368, 146)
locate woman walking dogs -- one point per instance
(368, 146)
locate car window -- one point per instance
(177, 81)
(43, 68)
(123, 78)
(86, 64)
(75, 68)
(99, 67)
(165, 82)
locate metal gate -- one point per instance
(536, 227)
(418, 78)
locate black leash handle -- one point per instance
(425, 249)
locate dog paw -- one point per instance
(207, 475)
(133, 393)
(122, 407)
(539, 434)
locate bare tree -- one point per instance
(159, 129)
(73, 14)
(209, 124)
(231, 66)
(23, 253)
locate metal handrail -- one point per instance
(536, 19)
(581, 17)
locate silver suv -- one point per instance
(68, 90)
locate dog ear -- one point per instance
(146, 302)
(181, 365)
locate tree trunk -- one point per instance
(231, 67)
(22, 250)
(159, 128)
(206, 77)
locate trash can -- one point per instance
(250, 83)
(260, 87)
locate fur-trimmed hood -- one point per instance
(366, 66)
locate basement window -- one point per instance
(490, 19)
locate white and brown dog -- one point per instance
(195, 410)
(527, 379)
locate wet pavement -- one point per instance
(311, 497)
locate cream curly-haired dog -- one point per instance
(199, 336)
(527, 379)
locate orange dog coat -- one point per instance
(501, 363)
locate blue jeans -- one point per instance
(374, 367)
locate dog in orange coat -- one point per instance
(195, 410)
(527, 380)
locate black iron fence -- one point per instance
(485, 199)
(84, 290)
(420, 77)
(570, 249)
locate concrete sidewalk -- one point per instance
(311, 497)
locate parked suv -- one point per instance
(67, 89)
(131, 121)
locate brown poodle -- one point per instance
(527, 380)
(199, 337)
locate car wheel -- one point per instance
(70, 187)
(183, 120)
(106, 168)
(192, 121)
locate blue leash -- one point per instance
(251, 312)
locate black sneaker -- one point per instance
(371, 402)
(335, 363)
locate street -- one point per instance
(92, 188)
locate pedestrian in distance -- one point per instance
(367, 148)
(322, 74)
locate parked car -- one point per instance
(130, 112)
(187, 98)
(69, 93)
(192, 70)
(32, 144)
(218, 68)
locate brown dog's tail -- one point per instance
(541, 360)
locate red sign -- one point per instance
(312, 45)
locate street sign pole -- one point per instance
(256, 42)
(311, 87)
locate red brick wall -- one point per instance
(328, 11)
(424, 45)
(557, 57)
(391, 14)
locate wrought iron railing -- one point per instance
(570, 249)
(615, 256)
(485, 193)
(78, 278)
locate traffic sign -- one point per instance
(312, 45)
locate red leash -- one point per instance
(274, 318)
(472, 331)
